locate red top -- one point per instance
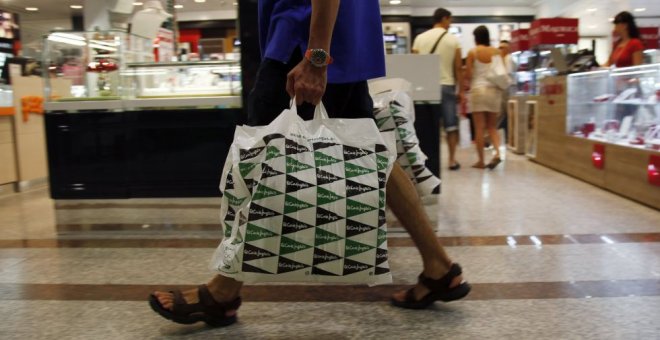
(622, 56)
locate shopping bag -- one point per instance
(305, 201)
(395, 111)
(465, 136)
(497, 73)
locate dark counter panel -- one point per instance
(169, 153)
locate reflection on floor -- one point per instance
(549, 257)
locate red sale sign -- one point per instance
(650, 37)
(553, 31)
(519, 40)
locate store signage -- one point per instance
(598, 156)
(650, 37)
(654, 170)
(554, 31)
(519, 40)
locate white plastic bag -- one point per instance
(497, 73)
(305, 201)
(465, 136)
(395, 111)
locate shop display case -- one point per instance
(621, 106)
(182, 79)
(92, 62)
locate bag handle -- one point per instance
(319, 111)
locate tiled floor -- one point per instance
(550, 257)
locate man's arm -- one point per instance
(458, 71)
(307, 82)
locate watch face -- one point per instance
(318, 57)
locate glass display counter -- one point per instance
(621, 106)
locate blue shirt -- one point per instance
(357, 40)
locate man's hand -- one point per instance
(307, 82)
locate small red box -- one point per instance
(598, 156)
(650, 36)
(554, 31)
(654, 170)
(520, 40)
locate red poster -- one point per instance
(552, 31)
(520, 40)
(650, 37)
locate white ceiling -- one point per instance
(461, 3)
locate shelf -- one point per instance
(225, 101)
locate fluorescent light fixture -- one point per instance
(31, 9)
(101, 47)
(593, 26)
(395, 2)
(178, 6)
(592, 9)
(200, 1)
(76, 6)
(649, 51)
(607, 240)
(137, 3)
(68, 36)
(641, 9)
(65, 40)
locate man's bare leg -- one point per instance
(406, 205)
(452, 142)
(223, 289)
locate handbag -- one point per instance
(304, 201)
(497, 73)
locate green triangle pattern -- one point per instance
(381, 199)
(403, 133)
(322, 159)
(324, 196)
(228, 229)
(353, 170)
(412, 157)
(292, 204)
(254, 233)
(288, 246)
(238, 239)
(233, 200)
(382, 236)
(323, 237)
(381, 121)
(293, 165)
(354, 208)
(265, 192)
(354, 248)
(246, 168)
(273, 152)
(382, 162)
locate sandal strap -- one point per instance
(410, 295)
(213, 306)
(443, 282)
(181, 307)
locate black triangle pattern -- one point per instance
(382, 220)
(408, 146)
(394, 102)
(291, 225)
(231, 214)
(252, 269)
(351, 153)
(286, 265)
(324, 177)
(250, 153)
(250, 183)
(258, 212)
(381, 271)
(323, 145)
(354, 188)
(293, 184)
(382, 180)
(381, 256)
(325, 216)
(267, 171)
(400, 120)
(381, 148)
(422, 179)
(317, 271)
(251, 252)
(356, 228)
(351, 267)
(229, 182)
(322, 256)
(293, 148)
(268, 138)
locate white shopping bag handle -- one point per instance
(319, 112)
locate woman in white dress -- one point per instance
(485, 97)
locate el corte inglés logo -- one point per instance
(357, 228)
(258, 233)
(359, 153)
(357, 248)
(290, 266)
(361, 208)
(300, 205)
(257, 253)
(356, 267)
(293, 246)
(325, 257)
(327, 237)
(260, 212)
(356, 188)
(299, 185)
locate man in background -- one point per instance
(439, 41)
(505, 52)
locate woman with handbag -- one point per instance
(485, 94)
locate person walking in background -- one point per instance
(297, 40)
(439, 41)
(628, 50)
(485, 97)
(503, 119)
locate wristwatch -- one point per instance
(318, 57)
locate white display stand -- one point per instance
(422, 71)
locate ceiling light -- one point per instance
(178, 6)
(235, 3)
(137, 4)
(610, 19)
(76, 6)
(592, 26)
(31, 9)
(200, 1)
(592, 9)
(395, 2)
(640, 9)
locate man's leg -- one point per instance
(450, 122)
(407, 206)
(452, 142)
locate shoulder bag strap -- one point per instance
(435, 46)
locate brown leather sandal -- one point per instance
(439, 290)
(208, 310)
